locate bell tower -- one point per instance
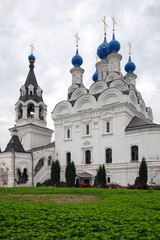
(31, 112)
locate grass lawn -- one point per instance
(63, 213)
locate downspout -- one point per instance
(14, 164)
(32, 170)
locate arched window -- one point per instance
(49, 160)
(134, 153)
(20, 111)
(88, 157)
(108, 155)
(68, 157)
(30, 111)
(22, 177)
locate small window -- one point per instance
(68, 133)
(134, 153)
(107, 127)
(49, 160)
(87, 129)
(68, 157)
(88, 157)
(108, 155)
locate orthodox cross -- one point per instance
(114, 22)
(31, 45)
(105, 25)
(77, 38)
(96, 58)
(129, 48)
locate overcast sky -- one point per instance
(50, 25)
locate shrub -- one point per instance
(70, 174)
(143, 174)
(101, 175)
(55, 173)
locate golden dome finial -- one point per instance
(105, 25)
(77, 38)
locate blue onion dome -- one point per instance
(114, 46)
(102, 50)
(77, 60)
(95, 76)
(130, 66)
(31, 58)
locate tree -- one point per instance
(55, 173)
(70, 174)
(101, 176)
(143, 174)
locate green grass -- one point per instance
(121, 214)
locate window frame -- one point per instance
(108, 159)
(134, 153)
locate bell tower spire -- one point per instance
(31, 111)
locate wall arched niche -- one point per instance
(121, 85)
(62, 108)
(78, 92)
(111, 77)
(142, 107)
(85, 102)
(149, 113)
(98, 87)
(133, 98)
(110, 96)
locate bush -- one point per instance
(101, 176)
(55, 173)
(143, 174)
(70, 174)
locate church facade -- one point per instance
(108, 124)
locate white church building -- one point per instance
(108, 124)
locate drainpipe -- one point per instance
(14, 164)
(32, 170)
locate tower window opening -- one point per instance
(108, 155)
(20, 111)
(41, 113)
(30, 111)
(134, 153)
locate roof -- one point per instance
(14, 145)
(50, 145)
(137, 123)
(31, 79)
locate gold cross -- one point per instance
(77, 38)
(114, 22)
(96, 58)
(31, 45)
(105, 25)
(129, 48)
